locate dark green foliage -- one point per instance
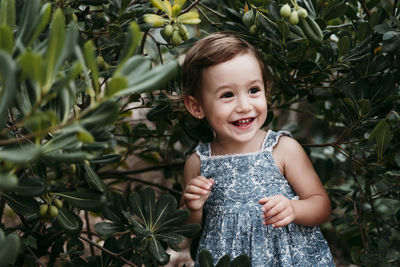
(72, 74)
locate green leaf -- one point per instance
(224, 261)
(170, 238)
(248, 18)
(175, 218)
(166, 204)
(151, 80)
(70, 222)
(89, 52)
(205, 258)
(135, 67)
(21, 155)
(107, 229)
(187, 230)
(149, 205)
(104, 114)
(22, 205)
(30, 187)
(42, 20)
(381, 133)
(93, 179)
(137, 227)
(31, 65)
(116, 84)
(8, 85)
(158, 252)
(106, 159)
(131, 43)
(55, 47)
(135, 205)
(6, 39)
(9, 249)
(8, 181)
(7, 13)
(85, 199)
(241, 261)
(343, 46)
(283, 28)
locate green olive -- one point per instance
(168, 30)
(285, 11)
(302, 13)
(52, 212)
(176, 38)
(43, 210)
(182, 30)
(58, 203)
(294, 18)
(253, 29)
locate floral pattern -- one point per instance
(233, 218)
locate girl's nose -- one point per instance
(243, 104)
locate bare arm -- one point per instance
(196, 189)
(313, 206)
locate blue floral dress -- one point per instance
(233, 218)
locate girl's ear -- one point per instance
(194, 107)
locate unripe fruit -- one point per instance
(253, 29)
(285, 11)
(53, 211)
(176, 38)
(302, 13)
(43, 210)
(58, 203)
(182, 30)
(168, 30)
(294, 18)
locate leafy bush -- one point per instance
(73, 72)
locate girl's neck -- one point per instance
(221, 147)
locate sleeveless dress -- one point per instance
(232, 215)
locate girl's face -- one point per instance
(233, 99)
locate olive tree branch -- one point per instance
(190, 7)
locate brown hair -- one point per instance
(213, 49)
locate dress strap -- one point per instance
(272, 139)
(203, 150)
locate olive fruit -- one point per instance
(253, 29)
(58, 203)
(176, 38)
(182, 30)
(52, 212)
(43, 210)
(285, 11)
(168, 30)
(302, 13)
(294, 18)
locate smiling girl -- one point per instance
(255, 192)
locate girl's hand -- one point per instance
(277, 210)
(197, 192)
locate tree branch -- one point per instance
(190, 7)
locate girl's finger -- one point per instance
(189, 196)
(196, 190)
(201, 182)
(282, 222)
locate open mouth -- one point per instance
(243, 122)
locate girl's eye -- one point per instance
(227, 95)
(254, 90)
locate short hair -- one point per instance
(211, 50)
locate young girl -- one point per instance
(255, 192)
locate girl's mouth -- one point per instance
(243, 122)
